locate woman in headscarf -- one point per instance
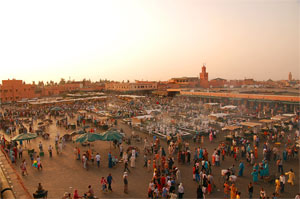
(291, 175)
(233, 191)
(125, 182)
(277, 187)
(110, 164)
(75, 195)
(132, 161)
(255, 176)
(180, 191)
(199, 192)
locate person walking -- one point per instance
(41, 146)
(280, 165)
(180, 191)
(121, 150)
(126, 166)
(241, 168)
(263, 194)
(255, 176)
(20, 152)
(291, 175)
(103, 183)
(178, 175)
(109, 180)
(50, 149)
(110, 164)
(282, 182)
(84, 161)
(233, 191)
(250, 190)
(199, 192)
(132, 161)
(23, 167)
(39, 164)
(277, 187)
(98, 158)
(125, 180)
(60, 145)
(226, 190)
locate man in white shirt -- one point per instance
(133, 153)
(98, 158)
(282, 182)
(84, 160)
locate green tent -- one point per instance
(111, 135)
(24, 136)
(56, 109)
(86, 127)
(88, 137)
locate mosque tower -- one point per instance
(204, 77)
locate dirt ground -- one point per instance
(62, 173)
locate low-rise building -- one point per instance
(131, 87)
(217, 83)
(16, 90)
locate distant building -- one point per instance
(248, 82)
(131, 87)
(290, 76)
(185, 81)
(16, 90)
(204, 78)
(217, 83)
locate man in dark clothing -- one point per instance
(199, 192)
(250, 190)
(109, 180)
(126, 166)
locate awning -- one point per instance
(231, 128)
(266, 121)
(251, 124)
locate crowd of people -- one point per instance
(165, 162)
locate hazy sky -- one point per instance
(149, 39)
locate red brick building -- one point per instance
(217, 83)
(16, 90)
(204, 78)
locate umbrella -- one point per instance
(56, 109)
(111, 135)
(24, 136)
(88, 137)
(81, 132)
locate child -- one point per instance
(103, 184)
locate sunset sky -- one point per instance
(149, 39)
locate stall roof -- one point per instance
(152, 110)
(231, 128)
(218, 115)
(251, 124)
(212, 104)
(229, 107)
(131, 96)
(266, 121)
(144, 116)
(289, 115)
(278, 118)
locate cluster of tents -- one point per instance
(109, 135)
